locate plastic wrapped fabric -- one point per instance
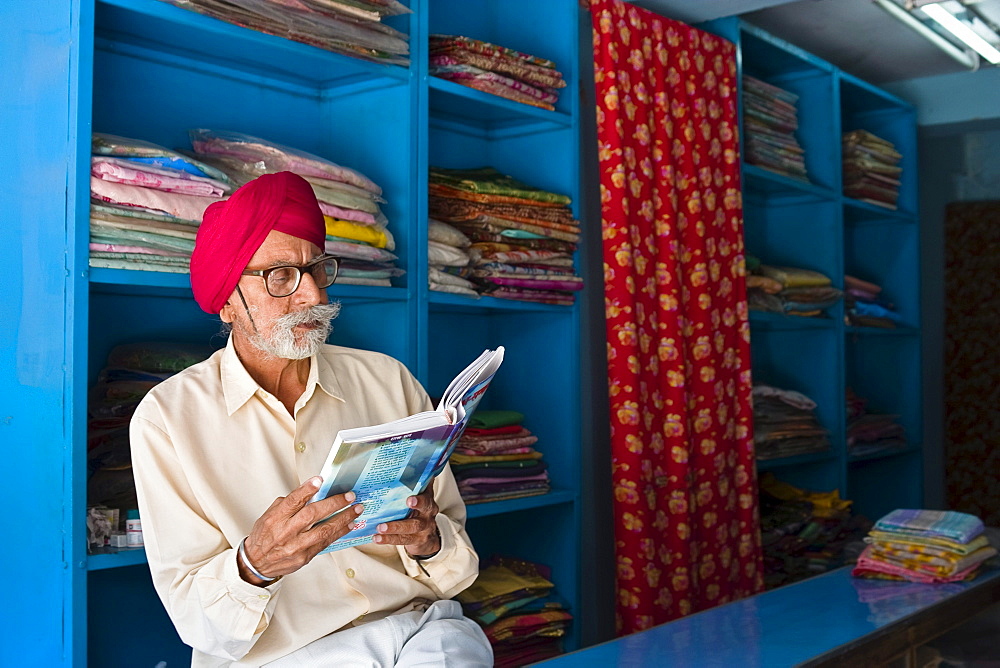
(446, 234)
(276, 157)
(119, 170)
(107, 144)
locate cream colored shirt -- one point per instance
(211, 450)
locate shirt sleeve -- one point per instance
(192, 564)
(456, 565)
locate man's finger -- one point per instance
(321, 510)
(325, 533)
(398, 527)
(300, 496)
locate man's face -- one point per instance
(292, 327)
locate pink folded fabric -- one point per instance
(352, 215)
(187, 207)
(867, 565)
(116, 248)
(173, 181)
(537, 283)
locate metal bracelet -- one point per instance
(246, 562)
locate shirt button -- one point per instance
(360, 617)
(263, 596)
(301, 447)
(350, 572)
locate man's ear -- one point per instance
(226, 313)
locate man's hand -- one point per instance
(284, 538)
(419, 531)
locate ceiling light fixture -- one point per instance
(902, 15)
(962, 31)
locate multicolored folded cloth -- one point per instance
(868, 566)
(951, 524)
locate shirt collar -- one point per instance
(238, 385)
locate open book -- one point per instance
(386, 463)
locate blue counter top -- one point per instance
(783, 627)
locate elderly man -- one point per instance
(225, 456)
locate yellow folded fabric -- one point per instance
(954, 546)
(345, 229)
(794, 277)
(496, 581)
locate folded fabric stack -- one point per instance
(869, 433)
(785, 424)
(864, 305)
(516, 604)
(448, 257)
(789, 290)
(131, 371)
(925, 546)
(871, 170)
(146, 204)
(356, 229)
(495, 69)
(349, 27)
(494, 460)
(523, 238)
(805, 532)
(770, 119)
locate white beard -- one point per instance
(281, 342)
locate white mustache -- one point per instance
(314, 315)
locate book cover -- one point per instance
(387, 463)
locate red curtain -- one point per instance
(686, 522)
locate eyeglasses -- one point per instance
(283, 280)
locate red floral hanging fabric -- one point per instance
(686, 521)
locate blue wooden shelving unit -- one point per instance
(813, 225)
(150, 70)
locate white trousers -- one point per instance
(440, 636)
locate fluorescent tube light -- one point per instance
(949, 22)
(915, 24)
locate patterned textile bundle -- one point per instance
(495, 69)
(789, 290)
(146, 204)
(869, 432)
(925, 546)
(131, 371)
(865, 306)
(522, 238)
(785, 424)
(871, 168)
(494, 460)
(356, 228)
(805, 532)
(770, 119)
(349, 27)
(516, 604)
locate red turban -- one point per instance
(233, 230)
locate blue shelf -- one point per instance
(443, 301)
(776, 188)
(881, 331)
(127, 281)
(766, 320)
(553, 498)
(795, 460)
(857, 212)
(157, 30)
(885, 454)
(116, 558)
(461, 108)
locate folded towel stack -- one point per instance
(924, 546)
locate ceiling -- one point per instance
(855, 35)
